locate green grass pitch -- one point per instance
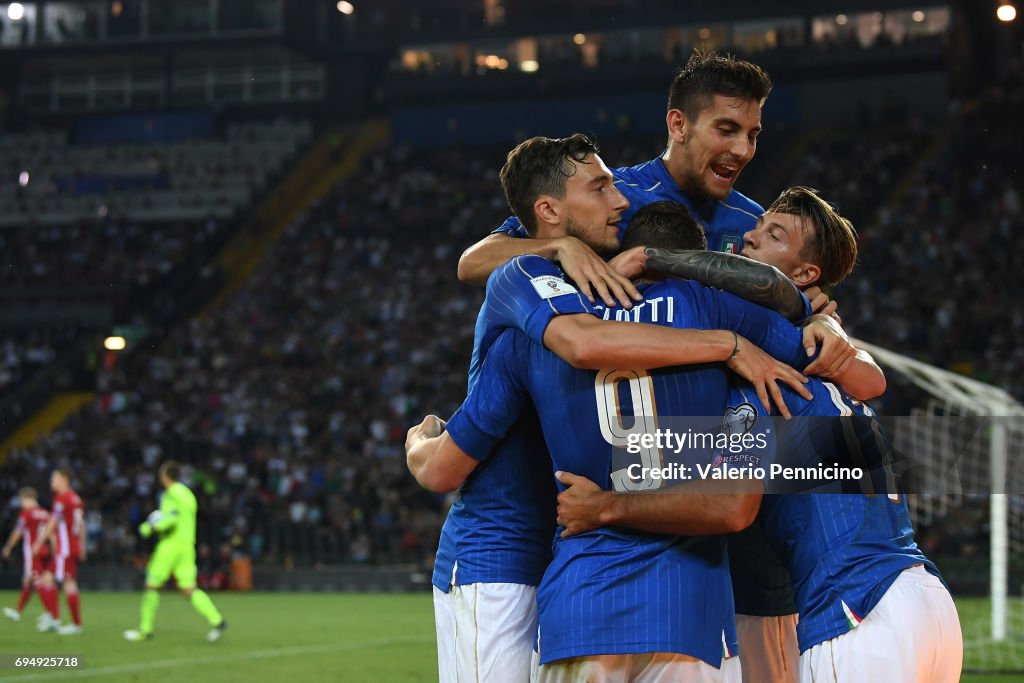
(270, 637)
(376, 638)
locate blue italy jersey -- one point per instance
(525, 293)
(843, 550)
(499, 529)
(724, 221)
(612, 590)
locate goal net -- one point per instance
(963, 442)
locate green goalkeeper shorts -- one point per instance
(172, 560)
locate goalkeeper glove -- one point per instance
(145, 529)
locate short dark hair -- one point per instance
(830, 242)
(707, 74)
(172, 470)
(664, 225)
(28, 492)
(540, 166)
(64, 472)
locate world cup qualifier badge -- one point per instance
(548, 286)
(730, 244)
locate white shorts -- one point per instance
(769, 648)
(911, 636)
(658, 667)
(485, 632)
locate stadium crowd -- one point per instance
(293, 398)
(105, 255)
(21, 356)
(210, 175)
(938, 209)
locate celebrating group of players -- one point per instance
(550, 566)
(52, 545)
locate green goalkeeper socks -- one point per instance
(204, 605)
(150, 601)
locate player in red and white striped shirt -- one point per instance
(67, 526)
(37, 566)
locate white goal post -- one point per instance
(938, 396)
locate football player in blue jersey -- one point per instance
(713, 121)
(495, 542)
(872, 606)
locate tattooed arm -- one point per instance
(744, 277)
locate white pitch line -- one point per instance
(241, 656)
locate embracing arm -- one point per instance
(588, 342)
(860, 378)
(839, 361)
(589, 271)
(854, 370)
(697, 508)
(756, 282)
(434, 459)
(441, 455)
(479, 261)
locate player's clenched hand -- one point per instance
(580, 505)
(821, 304)
(631, 263)
(763, 371)
(431, 427)
(836, 350)
(592, 275)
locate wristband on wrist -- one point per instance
(735, 348)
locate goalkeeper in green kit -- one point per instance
(175, 555)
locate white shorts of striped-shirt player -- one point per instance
(485, 632)
(912, 636)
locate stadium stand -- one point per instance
(92, 233)
(189, 180)
(21, 356)
(936, 265)
(298, 455)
